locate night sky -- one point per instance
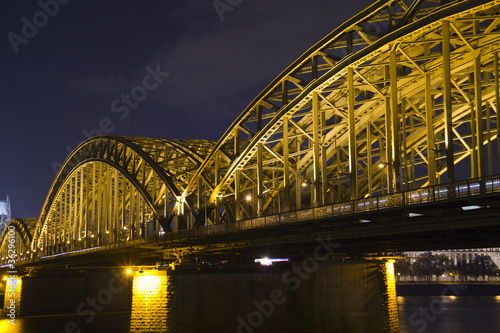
(71, 74)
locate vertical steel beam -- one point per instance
(488, 134)
(395, 135)
(131, 210)
(352, 134)
(100, 186)
(286, 164)
(497, 102)
(478, 101)
(429, 115)
(260, 175)
(472, 127)
(114, 223)
(109, 204)
(217, 180)
(284, 92)
(369, 157)
(314, 65)
(316, 161)
(83, 204)
(298, 176)
(124, 203)
(259, 118)
(77, 203)
(237, 193)
(324, 171)
(388, 145)
(448, 111)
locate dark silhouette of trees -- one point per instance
(402, 266)
(483, 266)
(427, 265)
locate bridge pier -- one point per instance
(307, 296)
(82, 294)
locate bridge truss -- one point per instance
(402, 96)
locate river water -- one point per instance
(417, 314)
(449, 314)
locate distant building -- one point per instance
(463, 255)
(5, 214)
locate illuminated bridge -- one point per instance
(383, 135)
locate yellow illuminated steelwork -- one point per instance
(358, 115)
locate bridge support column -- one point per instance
(309, 295)
(149, 302)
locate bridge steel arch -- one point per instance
(401, 96)
(21, 245)
(114, 189)
(394, 99)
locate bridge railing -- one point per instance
(435, 193)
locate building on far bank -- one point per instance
(5, 213)
(467, 254)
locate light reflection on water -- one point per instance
(116, 322)
(462, 314)
(449, 314)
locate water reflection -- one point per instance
(449, 314)
(463, 314)
(116, 322)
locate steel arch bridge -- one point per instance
(402, 96)
(17, 233)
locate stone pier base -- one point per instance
(308, 296)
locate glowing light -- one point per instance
(381, 165)
(249, 198)
(67, 242)
(269, 261)
(79, 239)
(92, 236)
(5, 278)
(129, 271)
(125, 228)
(304, 183)
(107, 231)
(4, 327)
